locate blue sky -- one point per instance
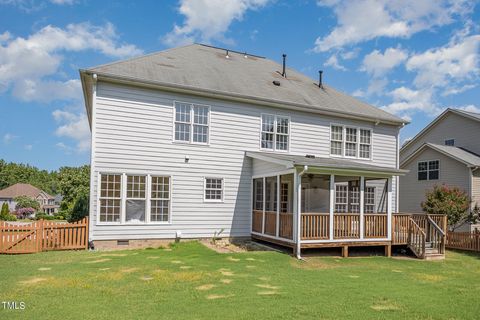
(412, 58)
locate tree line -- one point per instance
(73, 183)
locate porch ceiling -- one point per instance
(333, 164)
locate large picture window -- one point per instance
(128, 198)
(275, 132)
(192, 123)
(350, 142)
(428, 170)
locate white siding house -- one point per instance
(178, 138)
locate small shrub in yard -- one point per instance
(23, 213)
(450, 201)
(43, 216)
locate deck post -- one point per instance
(389, 208)
(296, 236)
(362, 202)
(332, 206)
(345, 251)
(277, 223)
(263, 206)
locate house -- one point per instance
(194, 140)
(447, 151)
(46, 201)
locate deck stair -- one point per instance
(425, 238)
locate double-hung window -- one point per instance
(341, 198)
(192, 123)
(428, 170)
(369, 198)
(110, 197)
(275, 132)
(133, 198)
(213, 190)
(350, 142)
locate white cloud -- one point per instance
(28, 147)
(470, 108)
(457, 90)
(333, 62)
(25, 63)
(378, 64)
(207, 20)
(407, 101)
(74, 126)
(63, 2)
(8, 137)
(363, 20)
(458, 60)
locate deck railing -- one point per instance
(376, 226)
(416, 240)
(315, 226)
(400, 226)
(346, 226)
(286, 225)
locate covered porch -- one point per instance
(307, 202)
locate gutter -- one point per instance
(234, 97)
(299, 209)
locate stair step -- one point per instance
(436, 256)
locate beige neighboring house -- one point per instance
(46, 201)
(447, 151)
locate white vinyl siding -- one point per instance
(133, 134)
(275, 131)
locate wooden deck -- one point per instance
(424, 234)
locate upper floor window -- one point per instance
(275, 132)
(429, 170)
(192, 123)
(450, 142)
(350, 142)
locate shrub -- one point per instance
(450, 201)
(43, 216)
(5, 209)
(26, 202)
(25, 212)
(80, 209)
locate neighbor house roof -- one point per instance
(322, 163)
(22, 189)
(206, 70)
(460, 154)
(463, 113)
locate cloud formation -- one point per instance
(207, 20)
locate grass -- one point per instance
(190, 281)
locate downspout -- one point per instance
(299, 209)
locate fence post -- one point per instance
(2, 223)
(39, 236)
(86, 231)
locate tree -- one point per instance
(5, 209)
(450, 201)
(74, 183)
(26, 202)
(80, 208)
(11, 173)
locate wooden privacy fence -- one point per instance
(42, 235)
(464, 241)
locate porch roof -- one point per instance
(290, 161)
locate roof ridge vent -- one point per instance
(226, 55)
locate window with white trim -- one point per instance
(213, 189)
(428, 170)
(350, 142)
(192, 123)
(258, 194)
(124, 197)
(136, 200)
(450, 142)
(369, 199)
(275, 132)
(160, 199)
(354, 199)
(336, 140)
(341, 198)
(110, 197)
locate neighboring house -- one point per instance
(46, 201)
(447, 151)
(194, 140)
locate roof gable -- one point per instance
(466, 157)
(200, 67)
(22, 189)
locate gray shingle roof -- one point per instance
(206, 68)
(457, 153)
(324, 163)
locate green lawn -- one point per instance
(190, 281)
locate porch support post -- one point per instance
(296, 235)
(332, 205)
(389, 208)
(362, 202)
(277, 224)
(263, 207)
